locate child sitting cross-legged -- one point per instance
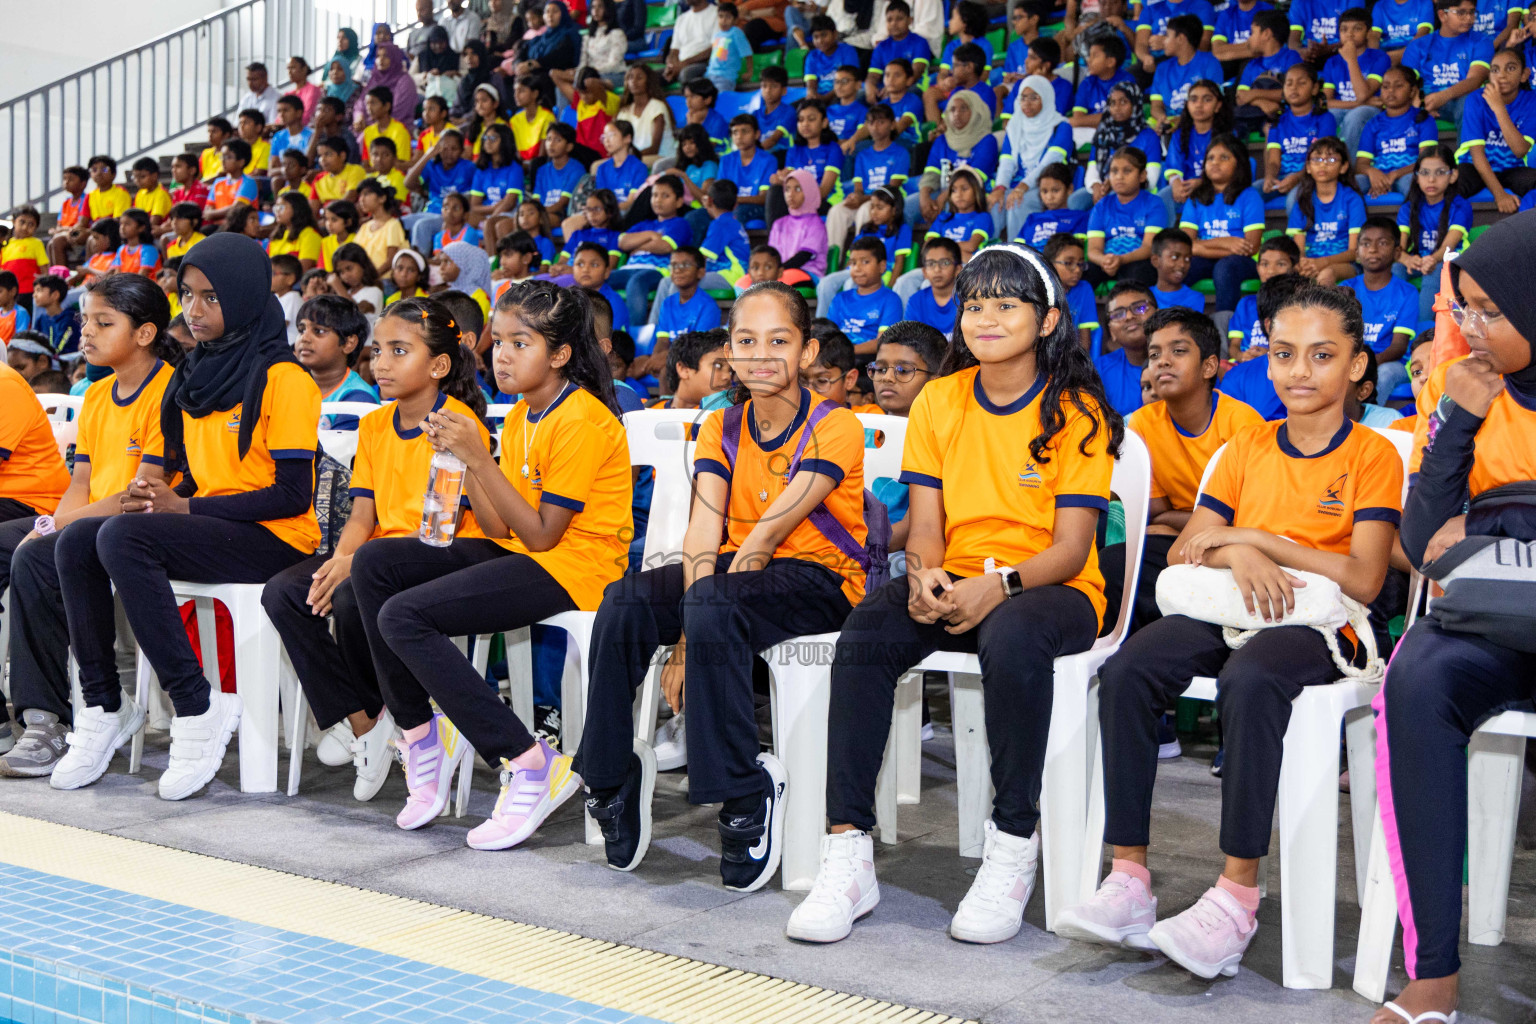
(1259, 518)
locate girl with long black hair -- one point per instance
(1009, 455)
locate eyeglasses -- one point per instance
(1068, 264)
(1474, 322)
(1328, 159)
(821, 385)
(938, 264)
(903, 372)
(1433, 172)
(1139, 309)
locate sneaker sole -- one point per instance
(1130, 937)
(861, 910)
(775, 831)
(11, 771)
(444, 792)
(1169, 751)
(648, 769)
(531, 824)
(225, 734)
(365, 789)
(988, 938)
(1228, 966)
(132, 726)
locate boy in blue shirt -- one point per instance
(1067, 255)
(775, 118)
(294, 133)
(1389, 304)
(1315, 25)
(1278, 257)
(1353, 75)
(49, 317)
(748, 167)
(589, 270)
(1171, 252)
(828, 53)
(699, 97)
(1453, 62)
(846, 112)
(876, 166)
(650, 245)
(330, 342)
(729, 51)
(1234, 26)
(1105, 57)
(687, 309)
(1248, 381)
(1055, 188)
(936, 305)
(1186, 65)
(904, 103)
(863, 311)
(725, 248)
(1152, 28)
(1396, 23)
(901, 43)
(1129, 306)
(1259, 86)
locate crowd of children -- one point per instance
(1023, 250)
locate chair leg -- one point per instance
(258, 651)
(520, 673)
(573, 700)
(1064, 794)
(1360, 745)
(973, 761)
(801, 692)
(1493, 803)
(141, 691)
(460, 801)
(886, 798)
(300, 716)
(648, 703)
(1093, 833)
(1378, 919)
(1309, 847)
(907, 727)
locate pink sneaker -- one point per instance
(1210, 937)
(1119, 914)
(429, 766)
(527, 798)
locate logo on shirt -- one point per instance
(1331, 504)
(134, 448)
(233, 426)
(1030, 477)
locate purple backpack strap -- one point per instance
(730, 436)
(821, 518)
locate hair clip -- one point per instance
(424, 314)
(452, 324)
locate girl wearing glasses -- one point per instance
(1434, 220)
(1441, 683)
(1328, 215)
(1290, 138)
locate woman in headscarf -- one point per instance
(347, 51)
(381, 36)
(437, 69)
(339, 83)
(801, 237)
(1477, 416)
(1037, 136)
(466, 268)
(501, 26)
(559, 48)
(479, 69)
(967, 142)
(1124, 124)
(392, 72)
(239, 419)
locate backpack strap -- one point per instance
(821, 517)
(730, 436)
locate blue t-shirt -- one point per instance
(983, 158)
(900, 242)
(351, 389)
(914, 48)
(1184, 296)
(924, 308)
(1186, 153)
(1084, 306)
(726, 52)
(782, 117)
(678, 317)
(701, 173)
(1331, 222)
(874, 168)
(1400, 22)
(493, 184)
(961, 227)
(284, 140)
(1429, 221)
(1268, 67)
(1318, 20)
(862, 316)
(441, 180)
(1245, 323)
(1391, 310)
(893, 495)
(1478, 124)
(1122, 381)
(623, 180)
(605, 237)
(1492, 17)
(751, 178)
(1059, 149)
(474, 236)
(1221, 219)
(1093, 92)
(815, 159)
(546, 247)
(1235, 25)
(1249, 382)
(822, 66)
(718, 129)
(725, 246)
(1171, 80)
(1393, 142)
(1294, 133)
(552, 184)
(844, 118)
(1443, 62)
(62, 331)
(1042, 224)
(677, 231)
(1123, 226)
(1373, 64)
(1156, 15)
(620, 307)
(946, 59)
(911, 104)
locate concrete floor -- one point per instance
(675, 904)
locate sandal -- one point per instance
(1423, 1018)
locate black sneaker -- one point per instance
(546, 724)
(750, 845)
(625, 818)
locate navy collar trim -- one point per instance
(567, 392)
(1215, 397)
(773, 444)
(123, 402)
(1012, 407)
(416, 431)
(1284, 441)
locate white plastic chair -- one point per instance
(61, 407)
(341, 445)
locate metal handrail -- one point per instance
(145, 98)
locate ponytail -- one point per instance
(461, 382)
(440, 331)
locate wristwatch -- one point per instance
(1012, 586)
(43, 525)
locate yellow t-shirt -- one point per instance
(305, 247)
(111, 203)
(376, 240)
(118, 432)
(578, 458)
(154, 201)
(391, 468)
(1179, 459)
(396, 133)
(395, 179)
(287, 429)
(328, 246)
(529, 133)
(210, 163)
(336, 186)
(179, 248)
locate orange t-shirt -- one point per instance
(1504, 453)
(31, 468)
(1179, 459)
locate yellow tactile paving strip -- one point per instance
(638, 981)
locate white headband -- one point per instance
(1033, 259)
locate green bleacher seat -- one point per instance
(998, 38)
(834, 259)
(660, 16)
(1250, 287)
(1477, 232)
(1206, 287)
(794, 63)
(721, 294)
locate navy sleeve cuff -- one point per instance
(1082, 501)
(1221, 508)
(292, 453)
(362, 492)
(563, 502)
(921, 479)
(825, 468)
(5, 453)
(80, 457)
(148, 460)
(712, 466)
(1378, 514)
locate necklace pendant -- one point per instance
(762, 495)
(525, 471)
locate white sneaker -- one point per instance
(994, 908)
(1120, 913)
(671, 744)
(198, 743)
(335, 747)
(372, 754)
(93, 739)
(1210, 937)
(845, 890)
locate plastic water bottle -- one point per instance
(440, 505)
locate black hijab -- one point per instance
(232, 369)
(473, 78)
(1500, 262)
(446, 62)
